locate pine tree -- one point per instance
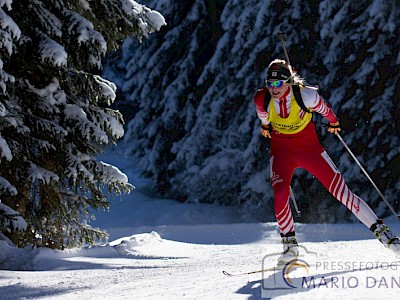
(56, 116)
(363, 78)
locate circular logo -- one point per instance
(294, 282)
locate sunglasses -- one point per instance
(277, 83)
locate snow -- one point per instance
(86, 34)
(155, 19)
(7, 3)
(15, 221)
(161, 249)
(107, 87)
(5, 150)
(53, 51)
(11, 30)
(72, 111)
(6, 186)
(41, 174)
(113, 174)
(144, 15)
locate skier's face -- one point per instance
(278, 92)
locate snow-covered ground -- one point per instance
(160, 249)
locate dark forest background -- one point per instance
(186, 95)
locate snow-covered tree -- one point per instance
(193, 124)
(55, 114)
(363, 79)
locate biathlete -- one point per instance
(287, 121)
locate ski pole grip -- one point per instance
(282, 36)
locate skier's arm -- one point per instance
(259, 103)
(313, 100)
(262, 113)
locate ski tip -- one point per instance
(226, 273)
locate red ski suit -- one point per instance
(302, 149)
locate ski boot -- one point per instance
(386, 237)
(290, 249)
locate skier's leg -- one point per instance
(322, 167)
(281, 174)
(282, 169)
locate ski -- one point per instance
(289, 266)
(251, 272)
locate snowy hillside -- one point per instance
(189, 265)
(181, 253)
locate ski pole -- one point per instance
(366, 174)
(294, 202)
(282, 36)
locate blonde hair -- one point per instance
(295, 79)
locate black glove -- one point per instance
(266, 130)
(334, 127)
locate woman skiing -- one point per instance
(285, 108)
